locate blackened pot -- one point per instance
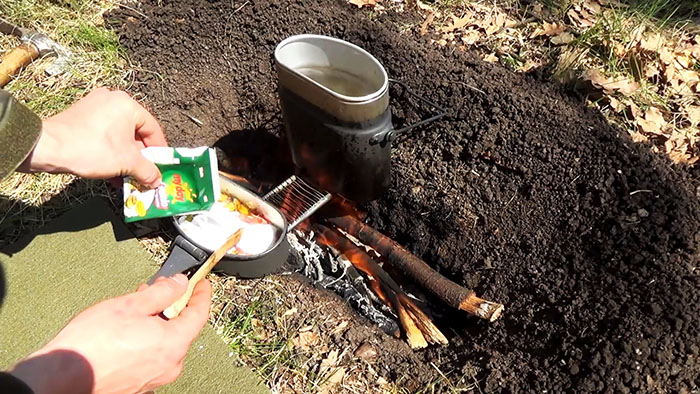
(335, 105)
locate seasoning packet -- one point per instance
(190, 184)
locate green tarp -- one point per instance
(81, 258)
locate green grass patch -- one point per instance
(96, 56)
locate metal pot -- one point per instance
(335, 104)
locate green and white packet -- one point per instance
(190, 184)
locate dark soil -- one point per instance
(522, 193)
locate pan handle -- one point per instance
(183, 257)
(438, 111)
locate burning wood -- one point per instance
(415, 268)
(420, 330)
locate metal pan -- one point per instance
(187, 254)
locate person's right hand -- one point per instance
(99, 137)
(128, 346)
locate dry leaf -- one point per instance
(363, 3)
(548, 29)
(290, 312)
(329, 362)
(689, 76)
(677, 149)
(491, 58)
(651, 70)
(652, 43)
(458, 23)
(592, 6)
(529, 65)
(426, 23)
(537, 9)
(471, 36)
(638, 137)
(634, 111)
(581, 17)
(305, 340)
(616, 105)
(653, 121)
(666, 55)
(259, 329)
(333, 380)
(693, 115)
(624, 85)
(421, 5)
(495, 24)
(563, 38)
(340, 327)
(683, 60)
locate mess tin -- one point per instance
(335, 105)
(187, 254)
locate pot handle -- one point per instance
(438, 110)
(183, 257)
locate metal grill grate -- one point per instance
(297, 200)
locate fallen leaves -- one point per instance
(610, 85)
(364, 3)
(334, 376)
(652, 123)
(306, 339)
(490, 58)
(626, 61)
(548, 29)
(584, 14)
(562, 38)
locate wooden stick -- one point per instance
(174, 310)
(418, 270)
(420, 330)
(430, 331)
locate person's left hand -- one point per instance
(101, 137)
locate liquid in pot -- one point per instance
(339, 81)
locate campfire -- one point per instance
(337, 232)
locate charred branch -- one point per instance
(419, 271)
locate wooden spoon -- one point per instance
(174, 310)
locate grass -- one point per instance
(264, 333)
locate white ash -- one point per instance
(331, 271)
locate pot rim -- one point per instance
(341, 97)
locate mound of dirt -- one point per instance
(521, 192)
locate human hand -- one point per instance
(127, 345)
(100, 136)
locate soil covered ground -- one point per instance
(521, 192)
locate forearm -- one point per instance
(55, 372)
(19, 132)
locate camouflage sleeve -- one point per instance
(19, 132)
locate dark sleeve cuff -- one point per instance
(19, 131)
(12, 385)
